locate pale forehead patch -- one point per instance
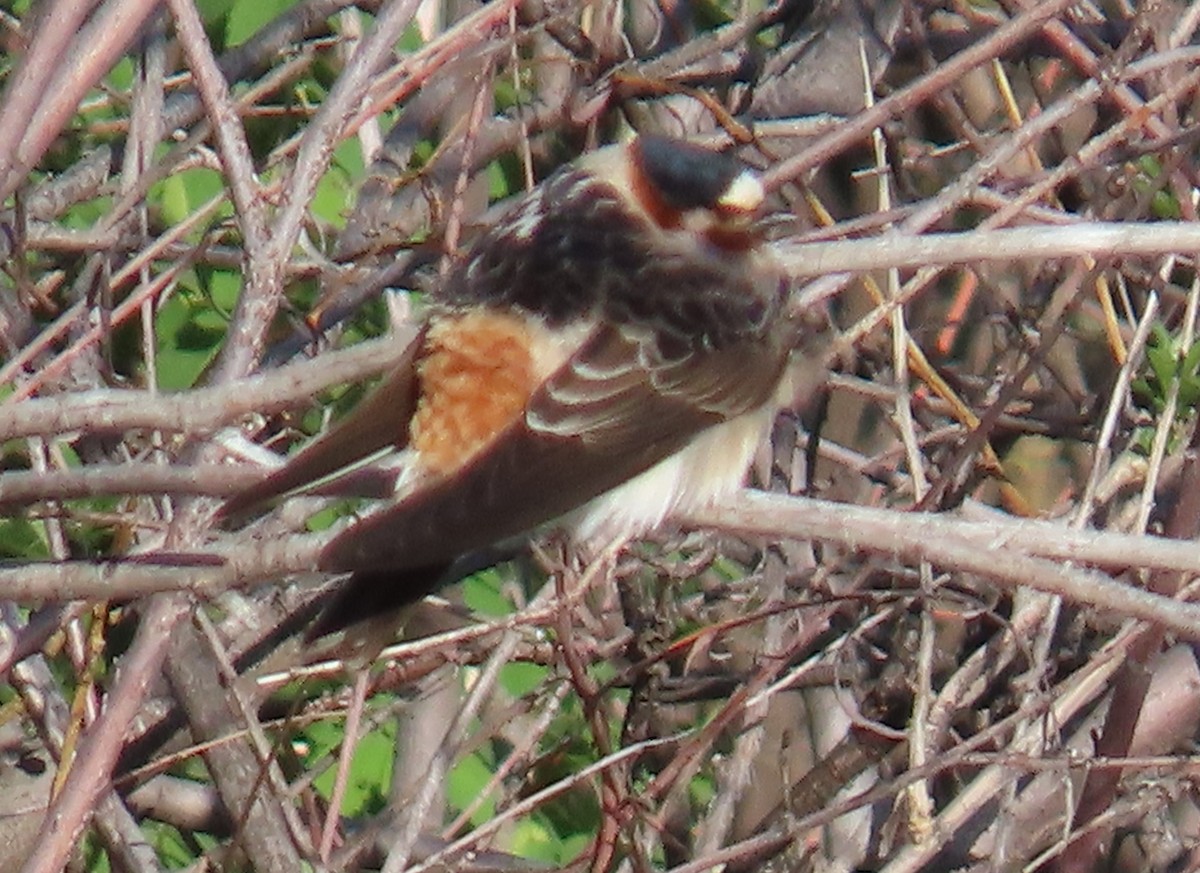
(744, 194)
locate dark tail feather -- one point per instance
(370, 593)
(374, 594)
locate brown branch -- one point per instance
(202, 410)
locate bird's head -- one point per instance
(686, 187)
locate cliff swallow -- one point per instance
(608, 353)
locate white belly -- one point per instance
(709, 469)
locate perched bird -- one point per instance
(610, 352)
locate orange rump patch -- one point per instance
(476, 374)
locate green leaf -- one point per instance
(467, 781)
(535, 840)
(212, 11)
(169, 845)
(331, 201)
(1165, 207)
(370, 770)
(519, 679)
(247, 17)
(190, 330)
(182, 193)
(482, 591)
(23, 539)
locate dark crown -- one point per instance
(686, 176)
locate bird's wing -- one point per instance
(379, 422)
(618, 406)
